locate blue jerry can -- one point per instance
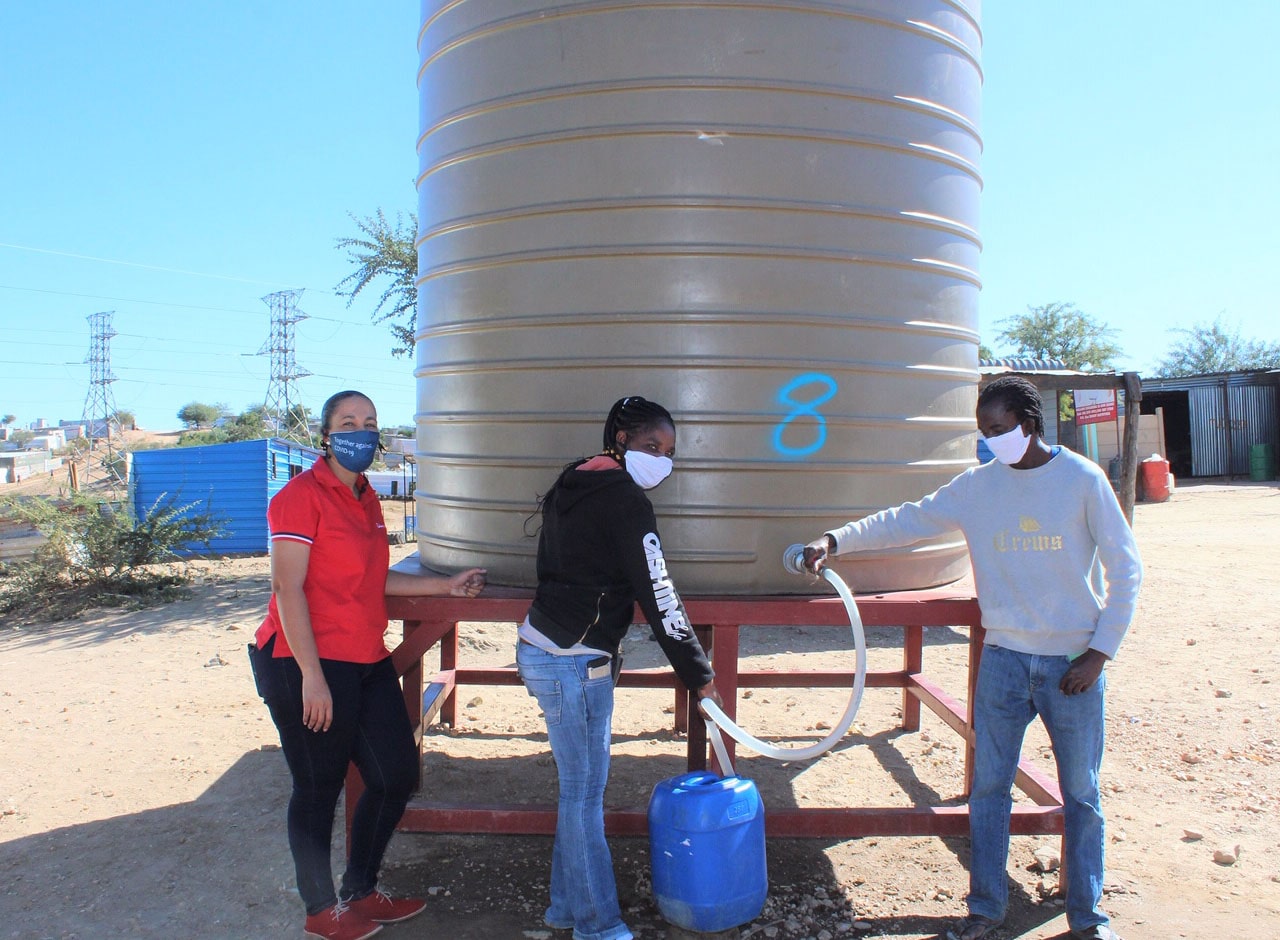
(706, 847)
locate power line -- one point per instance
(166, 303)
(28, 362)
(200, 347)
(136, 264)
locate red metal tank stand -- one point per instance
(718, 621)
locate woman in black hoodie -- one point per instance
(598, 555)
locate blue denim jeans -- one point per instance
(579, 714)
(370, 728)
(1012, 689)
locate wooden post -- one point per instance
(1129, 459)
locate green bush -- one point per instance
(197, 438)
(97, 554)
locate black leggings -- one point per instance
(370, 728)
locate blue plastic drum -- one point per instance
(706, 844)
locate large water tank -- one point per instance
(761, 215)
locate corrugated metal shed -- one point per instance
(1214, 419)
(233, 481)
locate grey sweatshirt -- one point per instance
(1036, 538)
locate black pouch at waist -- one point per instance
(263, 668)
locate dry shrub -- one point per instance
(99, 555)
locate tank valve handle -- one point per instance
(793, 559)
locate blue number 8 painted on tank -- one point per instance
(806, 409)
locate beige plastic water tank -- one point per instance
(761, 215)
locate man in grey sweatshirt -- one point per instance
(1057, 575)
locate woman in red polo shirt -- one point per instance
(327, 678)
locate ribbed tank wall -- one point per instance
(761, 215)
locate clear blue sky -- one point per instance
(174, 162)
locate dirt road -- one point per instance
(142, 792)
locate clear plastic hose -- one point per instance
(717, 717)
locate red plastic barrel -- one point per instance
(1155, 479)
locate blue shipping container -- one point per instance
(233, 481)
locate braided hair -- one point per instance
(1016, 394)
(630, 415)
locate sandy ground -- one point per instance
(142, 790)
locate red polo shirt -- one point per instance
(347, 570)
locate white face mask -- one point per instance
(648, 470)
(1009, 447)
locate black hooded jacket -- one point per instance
(598, 555)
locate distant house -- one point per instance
(232, 481)
(18, 465)
(51, 440)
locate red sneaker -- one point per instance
(384, 909)
(339, 922)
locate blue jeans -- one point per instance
(1012, 689)
(579, 714)
(370, 728)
